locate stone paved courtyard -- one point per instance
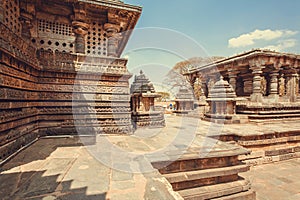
(276, 181)
(61, 168)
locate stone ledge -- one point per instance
(208, 173)
(215, 191)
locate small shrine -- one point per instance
(222, 101)
(184, 101)
(143, 103)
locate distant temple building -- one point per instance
(184, 101)
(222, 102)
(143, 103)
(269, 82)
(61, 71)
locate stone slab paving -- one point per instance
(276, 181)
(61, 168)
(118, 168)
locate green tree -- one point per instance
(165, 96)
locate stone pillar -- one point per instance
(282, 86)
(80, 27)
(112, 31)
(232, 81)
(232, 78)
(204, 88)
(291, 86)
(256, 91)
(80, 30)
(274, 84)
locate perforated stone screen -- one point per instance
(54, 27)
(12, 15)
(96, 40)
(54, 36)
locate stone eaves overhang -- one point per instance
(254, 57)
(134, 13)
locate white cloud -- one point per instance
(284, 44)
(250, 38)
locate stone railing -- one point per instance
(59, 61)
(17, 46)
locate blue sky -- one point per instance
(221, 28)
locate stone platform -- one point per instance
(118, 167)
(272, 141)
(62, 168)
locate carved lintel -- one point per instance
(113, 16)
(80, 12)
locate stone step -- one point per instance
(269, 142)
(216, 191)
(268, 112)
(281, 150)
(196, 164)
(190, 179)
(271, 159)
(274, 116)
(249, 195)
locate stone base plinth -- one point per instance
(152, 119)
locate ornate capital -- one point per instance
(257, 65)
(111, 29)
(80, 28)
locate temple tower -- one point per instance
(222, 101)
(184, 101)
(143, 103)
(61, 69)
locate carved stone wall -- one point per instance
(46, 88)
(12, 15)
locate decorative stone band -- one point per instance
(15, 45)
(80, 63)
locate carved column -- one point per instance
(256, 90)
(80, 27)
(232, 74)
(112, 31)
(291, 85)
(204, 88)
(274, 83)
(80, 30)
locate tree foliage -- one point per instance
(165, 96)
(176, 79)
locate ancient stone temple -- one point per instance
(266, 84)
(222, 101)
(143, 103)
(269, 82)
(184, 101)
(61, 71)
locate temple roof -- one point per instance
(141, 84)
(222, 90)
(118, 4)
(243, 57)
